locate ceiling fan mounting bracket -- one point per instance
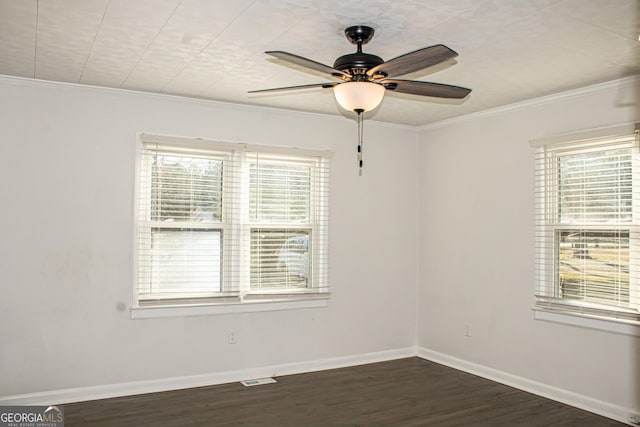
(359, 34)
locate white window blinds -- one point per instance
(225, 222)
(587, 213)
(288, 218)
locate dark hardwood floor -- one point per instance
(405, 392)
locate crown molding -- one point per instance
(31, 82)
(547, 99)
(574, 93)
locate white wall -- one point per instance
(67, 167)
(477, 249)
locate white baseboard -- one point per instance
(80, 394)
(586, 403)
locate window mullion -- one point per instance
(244, 231)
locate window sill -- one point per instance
(181, 310)
(585, 321)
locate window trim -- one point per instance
(581, 314)
(244, 306)
(239, 298)
(600, 323)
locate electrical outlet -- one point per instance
(467, 330)
(232, 337)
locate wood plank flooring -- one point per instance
(405, 392)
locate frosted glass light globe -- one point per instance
(355, 96)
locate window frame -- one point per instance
(235, 294)
(547, 305)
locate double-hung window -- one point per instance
(587, 225)
(224, 224)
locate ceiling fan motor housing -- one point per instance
(358, 60)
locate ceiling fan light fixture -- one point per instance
(359, 96)
(366, 77)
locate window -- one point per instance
(221, 223)
(587, 226)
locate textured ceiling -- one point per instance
(510, 50)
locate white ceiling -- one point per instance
(510, 50)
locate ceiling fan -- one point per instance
(366, 77)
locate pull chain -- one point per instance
(360, 141)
